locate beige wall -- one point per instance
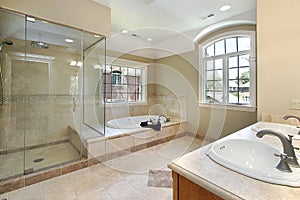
(216, 123)
(278, 34)
(82, 14)
(178, 74)
(160, 99)
(126, 56)
(206, 122)
(186, 64)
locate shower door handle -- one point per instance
(74, 104)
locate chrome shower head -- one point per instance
(39, 44)
(7, 42)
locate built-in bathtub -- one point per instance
(130, 122)
(126, 135)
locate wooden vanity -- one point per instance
(197, 177)
(184, 189)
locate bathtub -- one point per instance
(129, 122)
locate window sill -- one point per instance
(228, 107)
(143, 103)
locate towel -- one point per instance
(143, 124)
(156, 126)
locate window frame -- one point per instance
(129, 64)
(252, 71)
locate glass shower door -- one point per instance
(93, 101)
(53, 61)
(12, 90)
(42, 74)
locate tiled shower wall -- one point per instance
(38, 105)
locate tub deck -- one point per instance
(122, 141)
(89, 134)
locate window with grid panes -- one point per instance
(229, 70)
(123, 84)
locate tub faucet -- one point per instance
(288, 148)
(163, 118)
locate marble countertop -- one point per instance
(227, 184)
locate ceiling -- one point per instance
(15, 27)
(172, 24)
(167, 22)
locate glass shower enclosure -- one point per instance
(41, 92)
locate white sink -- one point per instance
(254, 159)
(283, 128)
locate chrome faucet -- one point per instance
(288, 148)
(286, 117)
(164, 118)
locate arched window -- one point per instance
(229, 69)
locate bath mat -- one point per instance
(160, 178)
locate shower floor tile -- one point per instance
(118, 179)
(12, 163)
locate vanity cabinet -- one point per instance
(184, 189)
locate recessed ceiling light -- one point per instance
(79, 64)
(30, 19)
(144, 2)
(124, 31)
(97, 67)
(76, 63)
(69, 40)
(73, 63)
(225, 7)
(149, 39)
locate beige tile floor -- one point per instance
(124, 178)
(12, 163)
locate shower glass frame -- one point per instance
(94, 60)
(46, 83)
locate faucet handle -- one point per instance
(283, 156)
(291, 138)
(291, 141)
(283, 164)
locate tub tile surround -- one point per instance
(144, 137)
(116, 144)
(226, 183)
(123, 142)
(168, 106)
(105, 180)
(160, 100)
